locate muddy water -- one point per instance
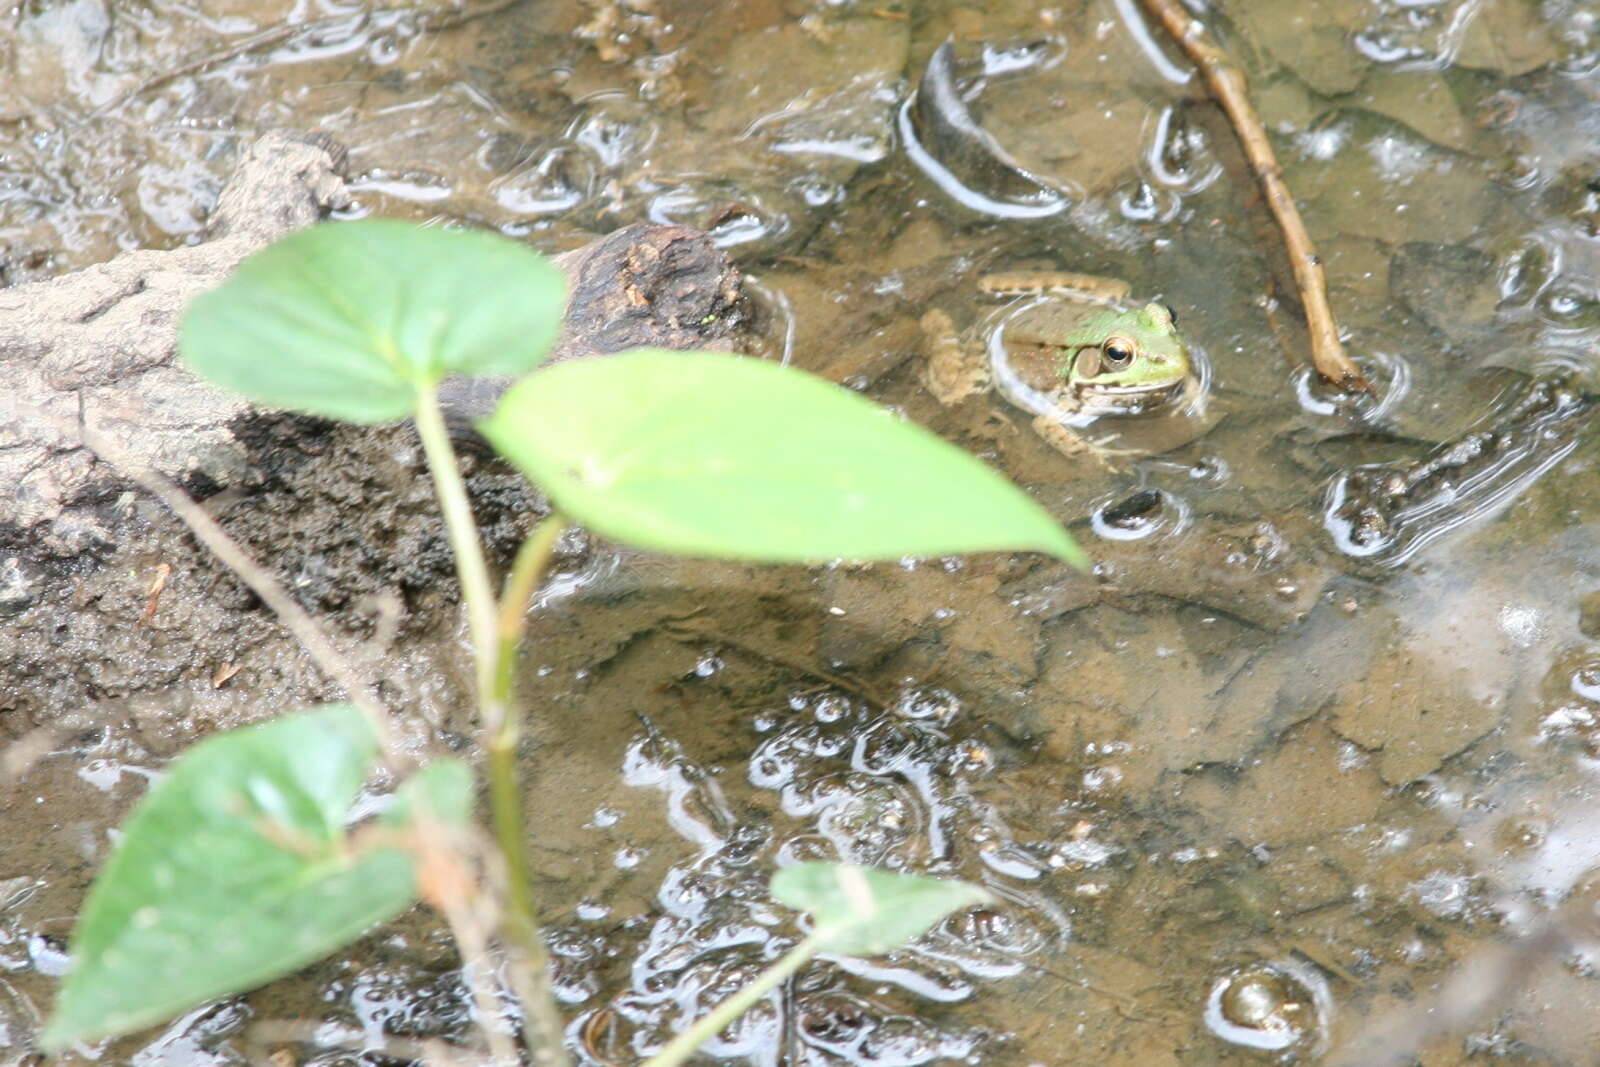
(1287, 760)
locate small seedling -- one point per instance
(238, 866)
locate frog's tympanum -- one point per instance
(1066, 363)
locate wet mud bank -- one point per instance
(110, 614)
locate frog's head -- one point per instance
(1125, 362)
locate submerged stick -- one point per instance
(1227, 85)
(1479, 988)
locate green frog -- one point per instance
(1066, 361)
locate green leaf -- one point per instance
(445, 785)
(236, 868)
(861, 911)
(705, 454)
(346, 319)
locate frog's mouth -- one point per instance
(1104, 398)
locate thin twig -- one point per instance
(532, 981)
(684, 629)
(527, 573)
(432, 838)
(529, 978)
(472, 570)
(1227, 84)
(451, 894)
(295, 619)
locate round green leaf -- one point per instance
(706, 454)
(235, 869)
(861, 911)
(346, 318)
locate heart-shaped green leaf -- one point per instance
(345, 319)
(861, 911)
(705, 454)
(236, 868)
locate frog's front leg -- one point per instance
(1074, 445)
(952, 369)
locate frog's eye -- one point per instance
(1117, 352)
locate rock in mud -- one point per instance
(99, 344)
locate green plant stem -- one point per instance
(521, 929)
(527, 573)
(471, 570)
(505, 794)
(683, 1046)
(520, 925)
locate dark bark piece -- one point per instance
(642, 286)
(657, 286)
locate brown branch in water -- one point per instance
(1227, 85)
(1479, 987)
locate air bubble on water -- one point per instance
(1271, 1006)
(1524, 625)
(831, 708)
(934, 706)
(1324, 143)
(1083, 853)
(616, 130)
(1586, 683)
(103, 774)
(1448, 896)
(1097, 779)
(554, 181)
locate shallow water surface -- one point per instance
(1322, 726)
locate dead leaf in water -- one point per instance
(1313, 40)
(1508, 36)
(1411, 714)
(1302, 790)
